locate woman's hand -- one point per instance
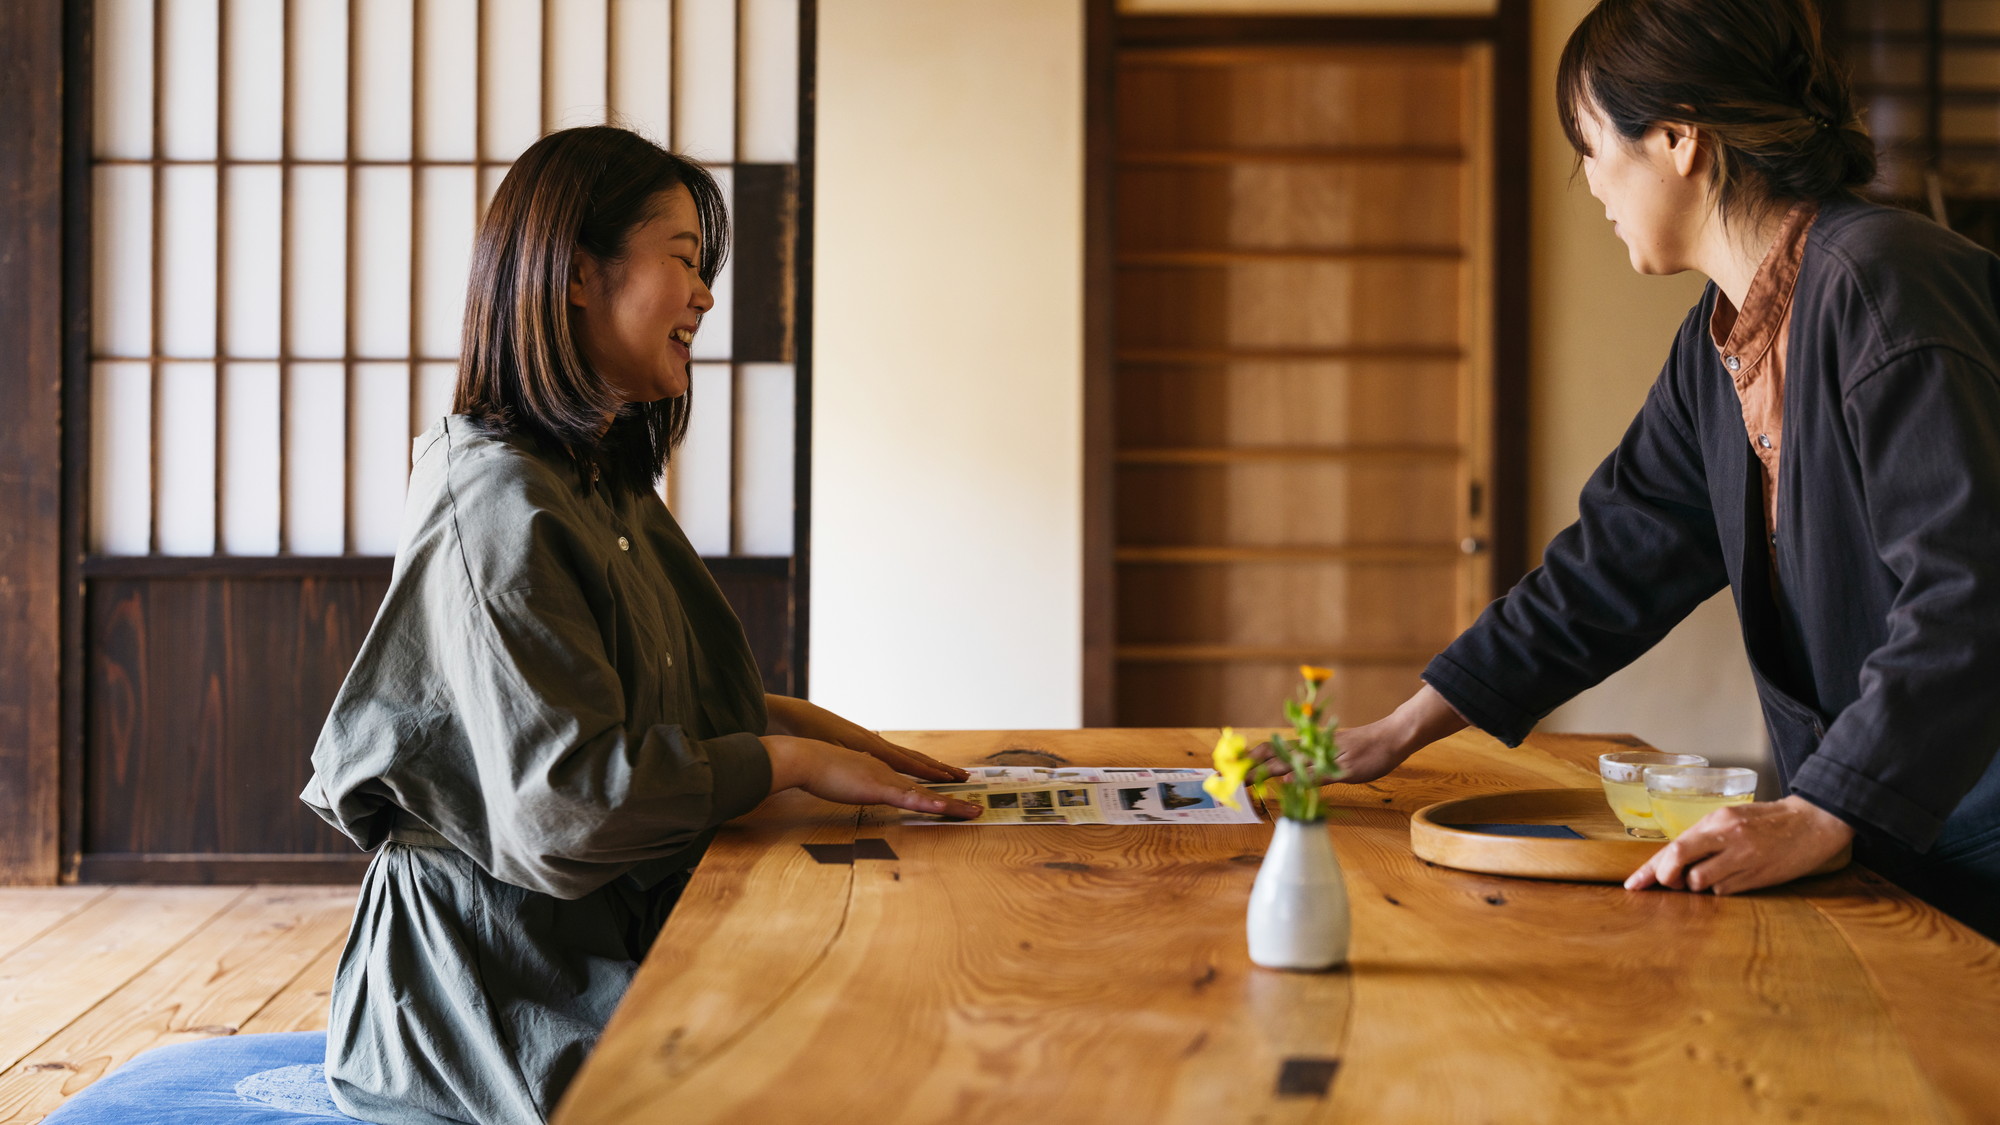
(804, 720)
(838, 774)
(1368, 752)
(1743, 847)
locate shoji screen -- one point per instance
(286, 193)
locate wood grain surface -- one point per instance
(195, 962)
(1100, 974)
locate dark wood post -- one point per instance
(32, 341)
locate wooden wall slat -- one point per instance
(31, 323)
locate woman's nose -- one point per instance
(701, 298)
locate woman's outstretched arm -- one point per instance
(801, 719)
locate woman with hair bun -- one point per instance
(555, 707)
(1824, 440)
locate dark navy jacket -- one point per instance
(1878, 657)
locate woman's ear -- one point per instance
(582, 277)
(1685, 145)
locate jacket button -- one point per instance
(1764, 440)
(624, 544)
(1733, 363)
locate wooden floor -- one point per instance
(90, 976)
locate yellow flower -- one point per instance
(1315, 675)
(1232, 762)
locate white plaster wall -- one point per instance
(947, 380)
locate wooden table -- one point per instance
(1100, 975)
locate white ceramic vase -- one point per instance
(1298, 907)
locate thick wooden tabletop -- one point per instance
(1099, 974)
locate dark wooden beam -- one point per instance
(1100, 361)
(31, 429)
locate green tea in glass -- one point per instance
(1623, 774)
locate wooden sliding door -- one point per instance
(1303, 364)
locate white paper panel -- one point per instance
(446, 227)
(712, 341)
(379, 454)
(489, 182)
(449, 40)
(383, 80)
(121, 458)
(315, 459)
(255, 108)
(381, 262)
(641, 67)
(511, 74)
(250, 459)
(316, 273)
(253, 230)
(190, 32)
(577, 52)
(123, 111)
(701, 465)
(764, 461)
(705, 79)
(186, 433)
(121, 252)
(435, 383)
(318, 101)
(770, 98)
(187, 261)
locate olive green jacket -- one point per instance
(554, 683)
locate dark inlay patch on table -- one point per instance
(1300, 1077)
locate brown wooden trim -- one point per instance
(78, 196)
(328, 566)
(1100, 363)
(1510, 296)
(31, 322)
(137, 867)
(802, 349)
(237, 566)
(1299, 31)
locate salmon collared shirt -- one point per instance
(1752, 345)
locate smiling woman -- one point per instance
(638, 235)
(556, 707)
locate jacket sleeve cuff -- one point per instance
(1866, 803)
(740, 772)
(1477, 703)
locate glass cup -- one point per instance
(1624, 780)
(1681, 795)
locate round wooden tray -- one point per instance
(1605, 854)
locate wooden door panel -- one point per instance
(205, 698)
(1334, 604)
(1326, 504)
(1314, 98)
(1407, 305)
(1301, 351)
(1263, 403)
(1289, 206)
(205, 694)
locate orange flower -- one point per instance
(1315, 675)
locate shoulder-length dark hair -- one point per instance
(520, 369)
(1754, 75)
